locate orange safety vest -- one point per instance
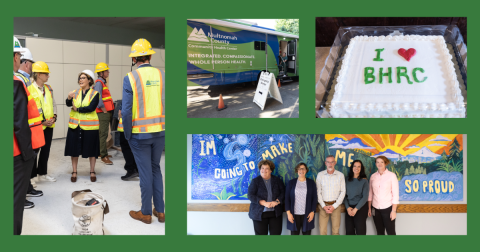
(34, 121)
(106, 98)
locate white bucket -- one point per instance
(88, 220)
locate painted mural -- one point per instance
(429, 167)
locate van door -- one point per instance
(292, 56)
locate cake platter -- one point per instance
(395, 72)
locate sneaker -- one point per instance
(106, 161)
(34, 193)
(46, 177)
(130, 175)
(32, 181)
(28, 204)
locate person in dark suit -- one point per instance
(23, 154)
(267, 193)
(301, 202)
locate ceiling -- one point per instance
(150, 24)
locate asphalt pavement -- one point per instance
(203, 100)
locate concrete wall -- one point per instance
(54, 28)
(66, 59)
(238, 223)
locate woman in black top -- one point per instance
(83, 142)
(266, 192)
(355, 199)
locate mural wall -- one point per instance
(429, 167)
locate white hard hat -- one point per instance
(17, 47)
(27, 55)
(89, 73)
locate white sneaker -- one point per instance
(32, 181)
(46, 178)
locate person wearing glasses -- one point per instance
(24, 73)
(301, 202)
(383, 196)
(355, 199)
(266, 193)
(83, 125)
(330, 192)
(43, 95)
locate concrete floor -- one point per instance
(202, 101)
(52, 214)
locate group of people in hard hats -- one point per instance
(141, 127)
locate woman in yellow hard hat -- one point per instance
(42, 93)
(83, 124)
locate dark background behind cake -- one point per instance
(327, 27)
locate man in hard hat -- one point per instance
(143, 116)
(25, 72)
(104, 109)
(27, 138)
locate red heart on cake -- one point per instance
(407, 54)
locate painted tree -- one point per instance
(455, 150)
(444, 156)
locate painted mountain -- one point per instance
(390, 154)
(424, 155)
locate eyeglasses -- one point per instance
(302, 169)
(82, 78)
(330, 162)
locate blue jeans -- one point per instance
(147, 153)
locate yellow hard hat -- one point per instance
(141, 47)
(101, 67)
(40, 67)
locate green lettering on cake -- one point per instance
(415, 74)
(404, 74)
(378, 54)
(369, 77)
(389, 74)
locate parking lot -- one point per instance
(202, 102)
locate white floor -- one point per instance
(52, 214)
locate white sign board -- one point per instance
(266, 85)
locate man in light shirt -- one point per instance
(331, 191)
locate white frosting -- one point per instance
(440, 95)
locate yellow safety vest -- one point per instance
(44, 104)
(87, 121)
(148, 110)
(120, 126)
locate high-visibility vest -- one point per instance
(120, 126)
(34, 121)
(26, 80)
(87, 121)
(148, 110)
(106, 98)
(44, 103)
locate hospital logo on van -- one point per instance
(198, 35)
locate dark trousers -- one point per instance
(104, 121)
(299, 224)
(357, 225)
(147, 153)
(21, 178)
(41, 168)
(269, 222)
(130, 164)
(382, 221)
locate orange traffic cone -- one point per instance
(221, 105)
(279, 83)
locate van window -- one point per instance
(259, 45)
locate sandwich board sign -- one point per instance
(266, 85)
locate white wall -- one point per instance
(238, 223)
(66, 59)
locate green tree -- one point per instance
(288, 25)
(455, 150)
